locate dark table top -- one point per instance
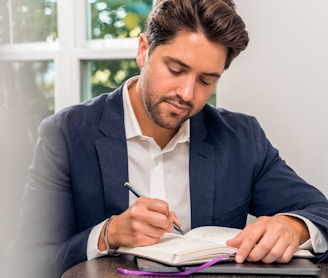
(107, 267)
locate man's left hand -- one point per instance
(270, 239)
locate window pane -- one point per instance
(33, 21)
(117, 18)
(4, 23)
(26, 95)
(212, 99)
(103, 76)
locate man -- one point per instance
(198, 165)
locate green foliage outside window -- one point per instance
(117, 18)
(107, 75)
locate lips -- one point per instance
(177, 108)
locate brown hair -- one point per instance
(216, 19)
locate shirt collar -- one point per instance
(132, 127)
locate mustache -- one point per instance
(177, 99)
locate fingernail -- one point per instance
(239, 259)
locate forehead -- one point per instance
(194, 50)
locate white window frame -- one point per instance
(69, 51)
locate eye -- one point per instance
(204, 82)
(175, 71)
(207, 81)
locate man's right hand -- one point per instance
(143, 223)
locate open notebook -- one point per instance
(199, 245)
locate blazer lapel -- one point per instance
(112, 153)
(201, 174)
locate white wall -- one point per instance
(282, 79)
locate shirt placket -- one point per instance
(157, 186)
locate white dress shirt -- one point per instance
(164, 174)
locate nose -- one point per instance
(186, 88)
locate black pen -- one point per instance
(138, 194)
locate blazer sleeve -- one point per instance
(278, 188)
(47, 242)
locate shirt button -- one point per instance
(156, 162)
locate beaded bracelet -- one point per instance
(111, 251)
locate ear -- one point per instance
(142, 50)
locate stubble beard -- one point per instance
(152, 105)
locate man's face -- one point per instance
(178, 78)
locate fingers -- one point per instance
(268, 240)
(143, 223)
(154, 212)
(268, 249)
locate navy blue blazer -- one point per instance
(80, 165)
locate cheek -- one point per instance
(155, 75)
(201, 97)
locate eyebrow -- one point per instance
(179, 62)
